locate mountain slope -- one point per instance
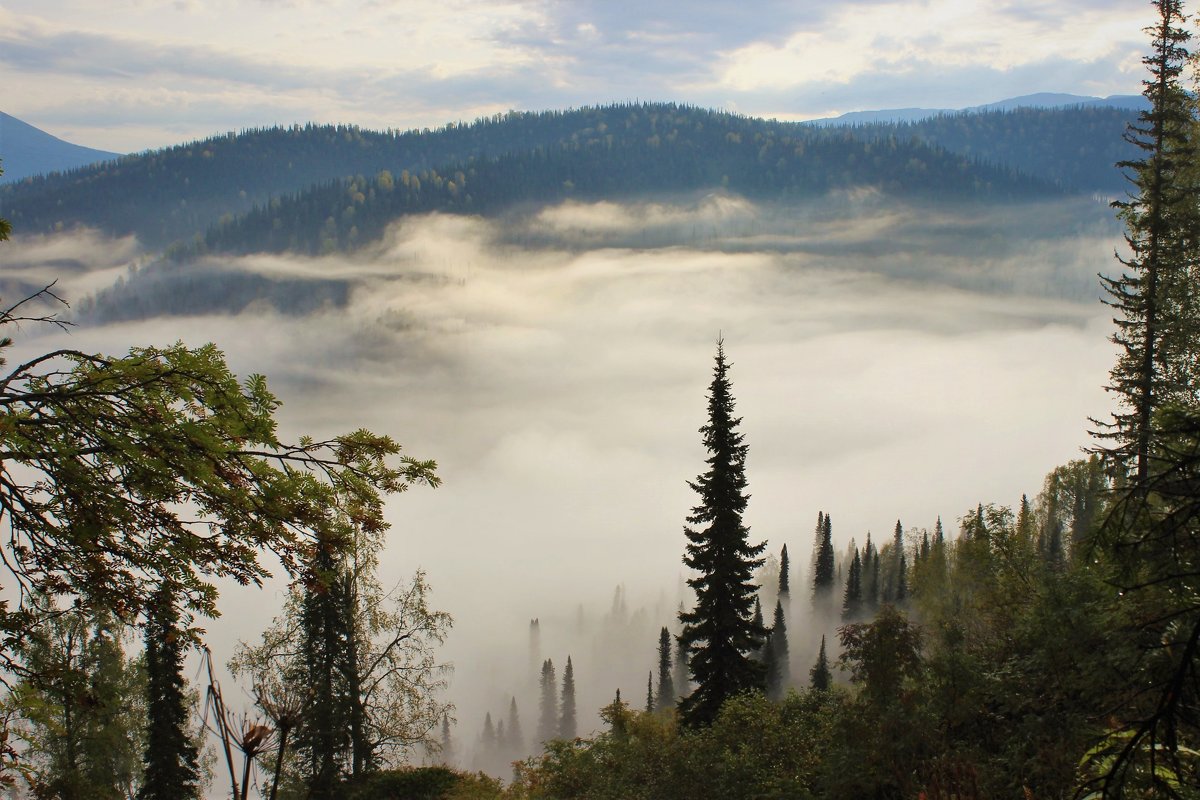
(656, 154)
(1076, 148)
(27, 151)
(178, 193)
(1041, 100)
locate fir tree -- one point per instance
(447, 754)
(1024, 521)
(567, 727)
(323, 736)
(548, 710)
(650, 692)
(666, 684)
(1156, 317)
(852, 600)
(682, 671)
(820, 678)
(487, 739)
(824, 568)
(516, 737)
(778, 673)
(172, 770)
(720, 632)
(758, 621)
(870, 575)
(784, 580)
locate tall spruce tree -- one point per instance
(548, 707)
(324, 733)
(784, 579)
(172, 771)
(720, 632)
(852, 600)
(778, 670)
(682, 676)
(516, 737)
(820, 678)
(567, 725)
(824, 568)
(1157, 320)
(900, 579)
(666, 683)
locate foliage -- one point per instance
(118, 475)
(752, 749)
(369, 669)
(81, 713)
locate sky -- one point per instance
(128, 75)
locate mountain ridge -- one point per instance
(1133, 102)
(27, 151)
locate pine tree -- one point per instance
(870, 575)
(650, 692)
(758, 621)
(824, 566)
(778, 673)
(1024, 527)
(567, 727)
(487, 739)
(900, 580)
(172, 770)
(448, 754)
(852, 600)
(682, 670)
(1156, 316)
(720, 632)
(820, 678)
(324, 733)
(784, 580)
(548, 710)
(516, 737)
(666, 685)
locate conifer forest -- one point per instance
(463, 549)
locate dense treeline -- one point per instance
(649, 154)
(1074, 148)
(179, 192)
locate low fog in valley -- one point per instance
(889, 362)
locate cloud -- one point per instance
(125, 80)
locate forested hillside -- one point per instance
(178, 193)
(1071, 147)
(651, 155)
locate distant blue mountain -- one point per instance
(1041, 100)
(26, 151)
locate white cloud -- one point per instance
(900, 37)
(131, 75)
